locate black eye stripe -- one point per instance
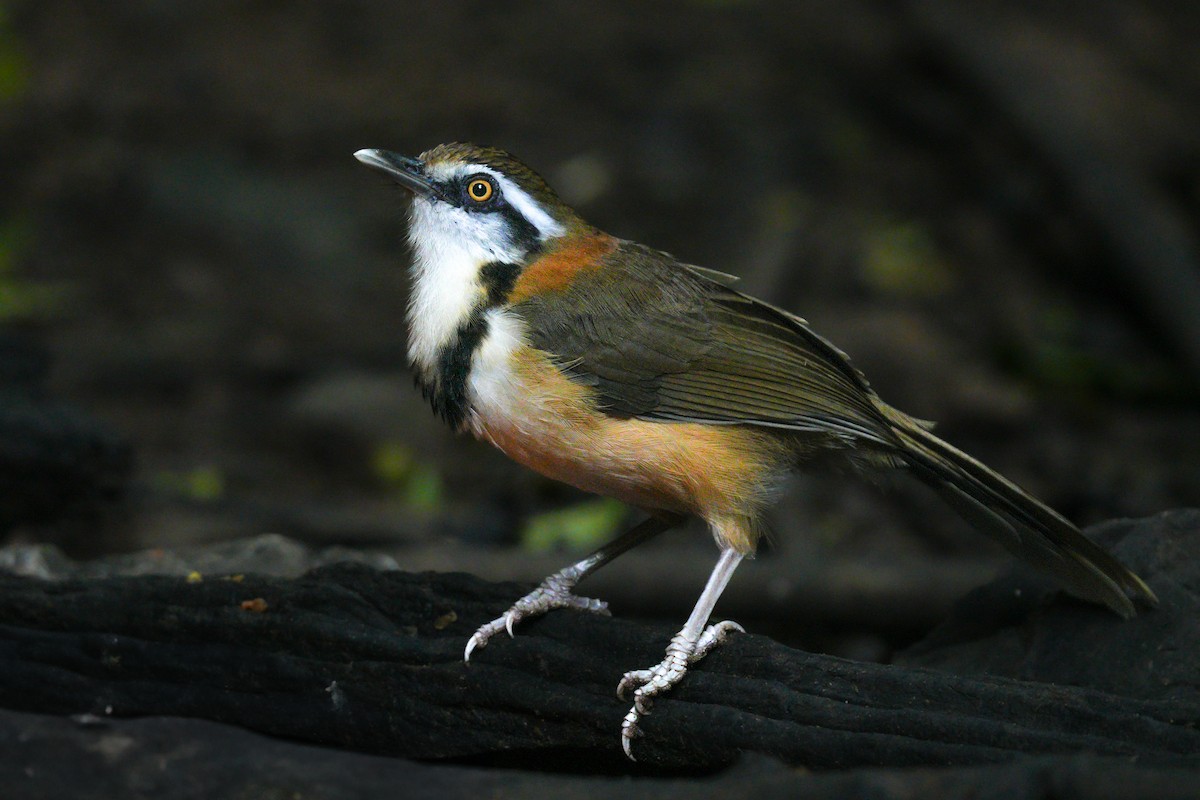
(522, 232)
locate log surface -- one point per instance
(372, 661)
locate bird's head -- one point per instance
(479, 220)
(476, 199)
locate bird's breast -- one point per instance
(525, 405)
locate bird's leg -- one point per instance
(555, 591)
(687, 647)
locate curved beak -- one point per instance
(408, 172)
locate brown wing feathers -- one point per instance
(660, 341)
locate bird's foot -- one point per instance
(554, 592)
(682, 652)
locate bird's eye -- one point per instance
(481, 189)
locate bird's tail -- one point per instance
(1023, 524)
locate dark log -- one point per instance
(170, 757)
(899, 597)
(1000, 629)
(372, 661)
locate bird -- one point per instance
(618, 369)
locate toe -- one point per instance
(472, 643)
(629, 732)
(632, 679)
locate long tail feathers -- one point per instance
(1027, 527)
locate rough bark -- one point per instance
(372, 661)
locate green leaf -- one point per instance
(419, 486)
(902, 259)
(579, 527)
(203, 484)
(14, 67)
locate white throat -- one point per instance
(448, 253)
(450, 247)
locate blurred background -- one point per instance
(994, 208)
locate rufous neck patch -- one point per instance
(554, 271)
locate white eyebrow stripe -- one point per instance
(547, 226)
(528, 208)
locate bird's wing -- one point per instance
(660, 340)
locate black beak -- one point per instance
(408, 172)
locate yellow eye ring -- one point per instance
(480, 190)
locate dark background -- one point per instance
(994, 208)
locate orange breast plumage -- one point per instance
(525, 405)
